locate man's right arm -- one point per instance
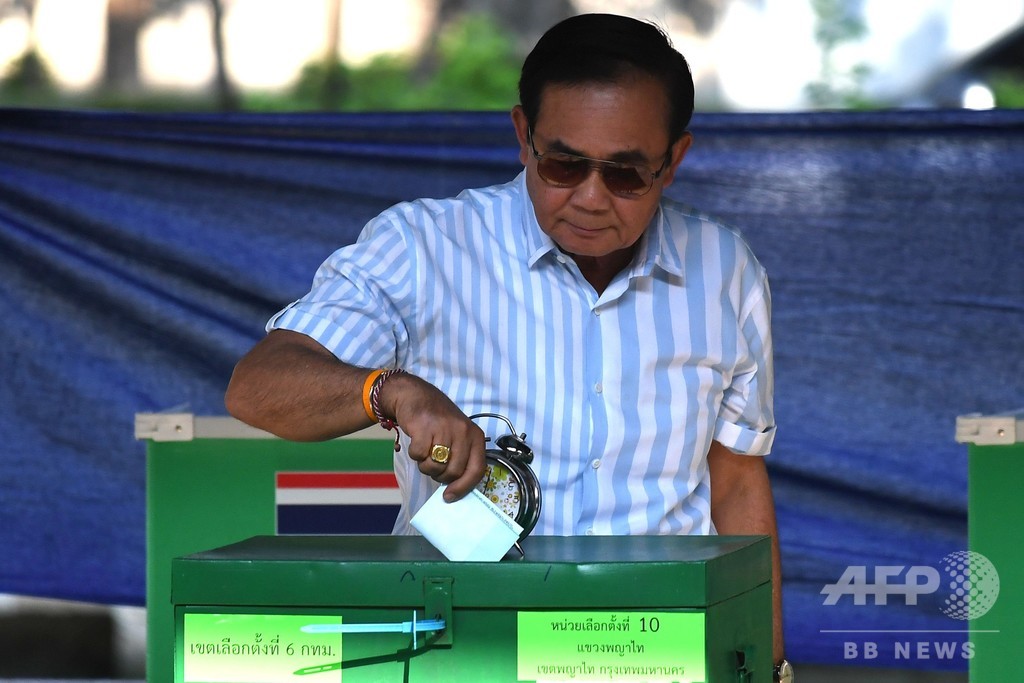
(291, 386)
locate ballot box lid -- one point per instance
(556, 571)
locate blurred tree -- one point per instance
(334, 78)
(227, 97)
(125, 19)
(8, 7)
(476, 66)
(837, 22)
(521, 23)
(29, 81)
(703, 13)
(30, 65)
(1008, 88)
(523, 20)
(521, 17)
(224, 91)
(23, 7)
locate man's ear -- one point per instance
(522, 127)
(679, 150)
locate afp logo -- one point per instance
(969, 588)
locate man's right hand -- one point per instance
(291, 386)
(430, 418)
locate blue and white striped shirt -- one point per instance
(619, 394)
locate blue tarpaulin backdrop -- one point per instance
(140, 256)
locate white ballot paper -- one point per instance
(472, 529)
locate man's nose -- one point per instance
(592, 193)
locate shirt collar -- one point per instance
(654, 249)
(538, 243)
(657, 249)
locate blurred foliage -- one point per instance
(841, 92)
(475, 67)
(1008, 88)
(29, 82)
(837, 23)
(479, 66)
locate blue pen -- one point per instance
(318, 669)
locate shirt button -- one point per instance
(589, 532)
(598, 388)
(595, 463)
(597, 311)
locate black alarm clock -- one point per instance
(509, 482)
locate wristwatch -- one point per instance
(509, 482)
(783, 673)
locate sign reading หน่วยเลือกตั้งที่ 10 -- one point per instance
(663, 647)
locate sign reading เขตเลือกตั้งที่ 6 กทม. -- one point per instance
(662, 647)
(259, 648)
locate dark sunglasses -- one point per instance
(562, 169)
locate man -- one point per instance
(628, 336)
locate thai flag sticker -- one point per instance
(336, 502)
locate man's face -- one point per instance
(623, 122)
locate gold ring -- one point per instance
(440, 454)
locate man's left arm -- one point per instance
(741, 504)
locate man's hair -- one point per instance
(606, 48)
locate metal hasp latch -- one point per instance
(744, 659)
(437, 604)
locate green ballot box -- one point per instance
(995, 483)
(382, 608)
(211, 481)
